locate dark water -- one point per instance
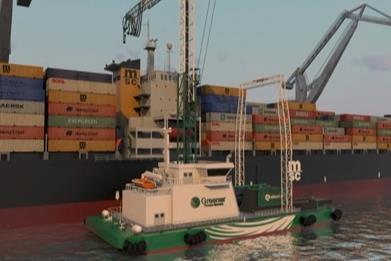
(364, 233)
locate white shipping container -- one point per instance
(21, 146)
(308, 146)
(364, 146)
(224, 146)
(60, 84)
(333, 131)
(16, 119)
(224, 117)
(223, 126)
(268, 112)
(337, 146)
(24, 107)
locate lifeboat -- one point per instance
(144, 183)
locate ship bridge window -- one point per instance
(217, 172)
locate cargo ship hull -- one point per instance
(51, 191)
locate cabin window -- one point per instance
(217, 172)
(162, 215)
(156, 215)
(190, 174)
(185, 174)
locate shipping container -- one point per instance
(24, 71)
(384, 146)
(81, 98)
(323, 123)
(21, 145)
(353, 117)
(223, 145)
(384, 132)
(222, 117)
(223, 126)
(361, 131)
(83, 146)
(21, 133)
(128, 87)
(212, 98)
(266, 145)
(59, 84)
(309, 122)
(307, 138)
(56, 133)
(268, 112)
(218, 90)
(263, 128)
(69, 109)
(24, 107)
(218, 107)
(18, 119)
(358, 124)
(225, 136)
(364, 145)
(384, 139)
(337, 145)
(333, 131)
(258, 119)
(361, 139)
(304, 129)
(386, 125)
(322, 114)
(23, 89)
(81, 122)
(302, 114)
(308, 146)
(271, 137)
(304, 106)
(78, 75)
(337, 138)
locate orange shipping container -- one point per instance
(265, 119)
(80, 134)
(304, 106)
(384, 146)
(337, 138)
(301, 129)
(307, 138)
(302, 114)
(81, 98)
(24, 71)
(271, 137)
(360, 131)
(384, 125)
(84, 146)
(363, 139)
(69, 109)
(266, 145)
(21, 133)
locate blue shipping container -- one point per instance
(211, 98)
(23, 89)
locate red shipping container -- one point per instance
(301, 129)
(324, 113)
(80, 134)
(21, 133)
(302, 114)
(272, 137)
(384, 139)
(81, 110)
(360, 131)
(225, 136)
(257, 119)
(354, 117)
(337, 138)
(384, 125)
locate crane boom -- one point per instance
(311, 92)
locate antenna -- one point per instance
(150, 47)
(169, 51)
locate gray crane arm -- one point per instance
(133, 19)
(311, 92)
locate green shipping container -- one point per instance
(329, 124)
(303, 122)
(263, 128)
(81, 122)
(383, 132)
(358, 124)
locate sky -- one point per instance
(249, 39)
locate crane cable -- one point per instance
(203, 33)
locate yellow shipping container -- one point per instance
(83, 146)
(307, 138)
(59, 84)
(364, 139)
(337, 146)
(18, 119)
(265, 145)
(128, 86)
(17, 70)
(220, 90)
(308, 146)
(302, 106)
(81, 98)
(364, 146)
(384, 146)
(21, 145)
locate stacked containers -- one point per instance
(384, 135)
(22, 108)
(306, 134)
(218, 111)
(334, 137)
(81, 111)
(266, 128)
(361, 129)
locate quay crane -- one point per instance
(310, 92)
